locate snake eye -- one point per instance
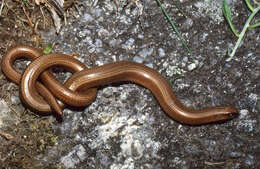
(233, 114)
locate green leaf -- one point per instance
(227, 15)
(47, 49)
(228, 55)
(249, 5)
(255, 25)
(174, 28)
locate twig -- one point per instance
(6, 135)
(65, 18)
(36, 27)
(28, 18)
(44, 21)
(10, 106)
(213, 164)
(2, 6)
(130, 4)
(115, 4)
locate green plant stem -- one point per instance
(254, 26)
(249, 5)
(242, 34)
(174, 28)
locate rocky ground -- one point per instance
(125, 128)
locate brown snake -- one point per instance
(80, 88)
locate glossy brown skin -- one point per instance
(119, 72)
(51, 83)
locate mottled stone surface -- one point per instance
(125, 128)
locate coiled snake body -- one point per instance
(80, 89)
